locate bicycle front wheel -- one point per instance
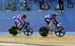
(28, 31)
(60, 32)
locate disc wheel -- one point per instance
(12, 30)
(43, 31)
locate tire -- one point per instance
(12, 30)
(43, 31)
(60, 32)
(28, 31)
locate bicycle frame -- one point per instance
(23, 26)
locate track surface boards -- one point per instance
(49, 40)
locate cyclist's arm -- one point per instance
(56, 22)
(24, 21)
(27, 23)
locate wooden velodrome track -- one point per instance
(49, 40)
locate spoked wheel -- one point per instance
(28, 31)
(60, 32)
(12, 30)
(43, 31)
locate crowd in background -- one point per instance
(26, 5)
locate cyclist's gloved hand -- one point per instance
(27, 23)
(58, 25)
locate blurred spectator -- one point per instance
(44, 5)
(25, 5)
(60, 3)
(70, 3)
(41, 3)
(10, 6)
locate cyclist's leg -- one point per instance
(47, 22)
(17, 26)
(49, 27)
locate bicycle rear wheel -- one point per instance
(43, 31)
(12, 30)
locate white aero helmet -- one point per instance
(47, 16)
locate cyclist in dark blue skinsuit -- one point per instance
(50, 20)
